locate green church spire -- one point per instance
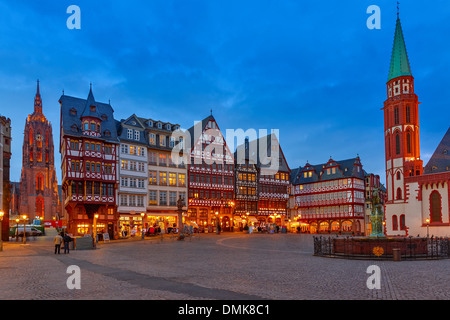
(399, 59)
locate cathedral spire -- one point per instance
(38, 101)
(399, 59)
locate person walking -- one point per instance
(67, 240)
(58, 240)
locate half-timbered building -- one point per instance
(210, 177)
(274, 183)
(89, 149)
(329, 197)
(246, 187)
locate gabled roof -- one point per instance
(261, 158)
(399, 59)
(195, 134)
(440, 160)
(133, 123)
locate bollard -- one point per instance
(396, 253)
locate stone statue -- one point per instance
(376, 215)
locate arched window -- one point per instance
(397, 143)
(40, 182)
(398, 175)
(408, 142)
(402, 222)
(30, 137)
(435, 207)
(394, 223)
(399, 194)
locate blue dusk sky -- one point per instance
(311, 69)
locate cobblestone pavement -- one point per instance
(225, 267)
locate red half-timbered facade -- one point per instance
(89, 150)
(210, 178)
(330, 197)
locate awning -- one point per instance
(252, 219)
(238, 219)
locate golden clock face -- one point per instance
(39, 137)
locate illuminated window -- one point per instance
(152, 138)
(172, 179)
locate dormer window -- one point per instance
(73, 112)
(107, 133)
(92, 108)
(104, 117)
(74, 128)
(150, 123)
(168, 127)
(137, 135)
(159, 125)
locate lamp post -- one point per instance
(17, 229)
(94, 226)
(24, 229)
(142, 228)
(428, 225)
(217, 222)
(1, 236)
(180, 204)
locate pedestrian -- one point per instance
(58, 240)
(67, 240)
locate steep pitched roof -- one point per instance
(90, 102)
(72, 108)
(399, 59)
(261, 158)
(195, 134)
(345, 169)
(440, 160)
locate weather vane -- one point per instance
(398, 7)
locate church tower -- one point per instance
(38, 183)
(401, 122)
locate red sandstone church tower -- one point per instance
(401, 123)
(38, 182)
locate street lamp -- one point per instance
(180, 204)
(428, 225)
(17, 229)
(1, 236)
(142, 229)
(24, 229)
(95, 230)
(217, 222)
